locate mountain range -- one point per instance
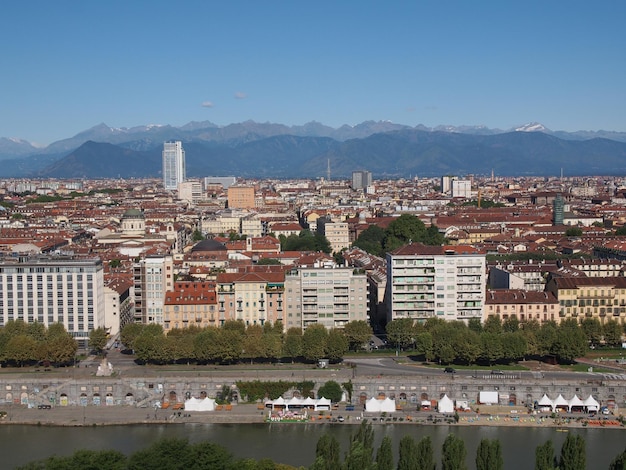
(251, 149)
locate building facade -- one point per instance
(241, 197)
(330, 297)
(337, 233)
(173, 165)
(523, 305)
(361, 179)
(53, 290)
(153, 277)
(190, 304)
(446, 282)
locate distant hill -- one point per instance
(396, 153)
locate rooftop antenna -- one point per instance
(328, 170)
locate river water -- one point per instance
(294, 444)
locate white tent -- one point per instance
(322, 404)
(308, 402)
(488, 398)
(388, 405)
(445, 405)
(575, 402)
(560, 402)
(591, 404)
(545, 402)
(294, 403)
(196, 404)
(372, 405)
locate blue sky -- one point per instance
(69, 65)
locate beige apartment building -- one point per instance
(524, 305)
(241, 197)
(590, 297)
(337, 233)
(190, 304)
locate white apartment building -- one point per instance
(446, 282)
(153, 277)
(53, 290)
(337, 233)
(330, 297)
(190, 191)
(173, 165)
(461, 188)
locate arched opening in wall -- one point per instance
(362, 398)
(9, 397)
(424, 396)
(130, 398)
(173, 397)
(63, 401)
(529, 400)
(392, 396)
(24, 398)
(83, 399)
(109, 399)
(96, 399)
(413, 398)
(296, 394)
(610, 402)
(203, 394)
(402, 398)
(381, 396)
(512, 399)
(234, 395)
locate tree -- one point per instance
(314, 342)
(336, 345)
(612, 333)
(371, 240)
(453, 454)
(358, 333)
(468, 347)
(619, 462)
(204, 345)
(98, 340)
(491, 346)
(570, 341)
(407, 454)
(59, 349)
(489, 455)
(574, 232)
(511, 324)
(197, 236)
(475, 325)
(292, 346)
(573, 454)
(384, 456)
(327, 453)
(424, 345)
(331, 390)
(592, 329)
(544, 457)
(621, 231)
(253, 343)
(401, 332)
(425, 454)
(228, 344)
(359, 455)
(493, 324)
(21, 349)
(129, 334)
(514, 346)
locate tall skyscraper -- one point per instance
(361, 179)
(173, 164)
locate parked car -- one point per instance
(497, 372)
(449, 370)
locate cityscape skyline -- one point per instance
(433, 64)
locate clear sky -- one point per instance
(69, 65)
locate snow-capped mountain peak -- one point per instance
(531, 127)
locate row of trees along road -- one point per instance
(234, 342)
(31, 343)
(174, 453)
(496, 341)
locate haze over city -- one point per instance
(72, 65)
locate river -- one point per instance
(294, 444)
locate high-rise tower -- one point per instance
(173, 164)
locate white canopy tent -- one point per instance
(200, 404)
(322, 404)
(575, 402)
(374, 405)
(545, 402)
(445, 405)
(560, 402)
(591, 404)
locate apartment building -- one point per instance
(241, 197)
(51, 290)
(446, 282)
(252, 297)
(190, 304)
(337, 233)
(153, 277)
(522, 304)
(331, 297)
(590, 297)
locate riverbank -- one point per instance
(245, 414)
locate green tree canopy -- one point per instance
(331, 390)
(358, 333)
